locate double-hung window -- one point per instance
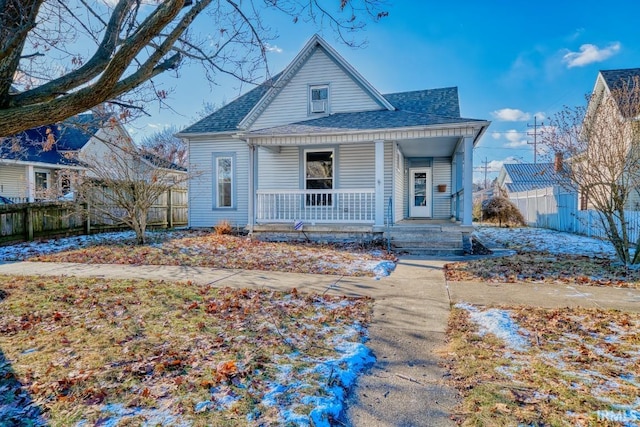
(224, 180)
(319, 175)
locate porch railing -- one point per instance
(316, 206)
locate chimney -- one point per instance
(557, 163)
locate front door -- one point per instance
(420, 193)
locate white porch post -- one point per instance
(467, 195)
(252, 189)
(379, 196)
(31, 184)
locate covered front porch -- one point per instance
(367, 184)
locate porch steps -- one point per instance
(430, 240)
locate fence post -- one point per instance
(169, 208)
(28, 222)
(87, 223)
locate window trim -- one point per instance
(333, 172)
(234, 199)
(310, 98)
(47, 179)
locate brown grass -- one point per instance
(199, 249)
(77, 345)
(546, 268)
(579, 362)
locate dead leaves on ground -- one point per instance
(582, 368)
(203, 249)
(77, 345)
(546, 268)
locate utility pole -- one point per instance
(485, 167)
(535, 138)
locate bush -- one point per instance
(500, 209)
(223, 227)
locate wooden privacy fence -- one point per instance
(557, 209)
(29, 221)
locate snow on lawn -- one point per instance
(374, 263)
(544, 240)
(499, 323)
(23, 251)
(588, 354)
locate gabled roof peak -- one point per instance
(287, 74)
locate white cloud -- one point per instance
(590, 53)
(496, 165)
(515, 138)
(576, 34)
(496, 135)
(274, 48)
(511, 115)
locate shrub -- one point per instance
(501, 210)
(223, 227)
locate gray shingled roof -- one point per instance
(342, 122)
(443, 102)
(227, 118)
(531, 176)
(69, 135)
(615, 78)
(415, 108)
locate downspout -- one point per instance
(252, 187)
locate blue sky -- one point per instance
(511, 61)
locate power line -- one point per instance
(535, 137)
(486, 166)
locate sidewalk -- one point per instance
(404, 388)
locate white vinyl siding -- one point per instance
(279, 171)
(441, 175)
(356, 166)
(201, 191)
(13, 181)
(292, 103)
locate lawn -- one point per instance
(207, 249)
(545, 256)
(81, 352)
(530, 366)
(526, 366)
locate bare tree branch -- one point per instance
(45, 77)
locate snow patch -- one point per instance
(499, 323)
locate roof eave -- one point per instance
(192, 135)
(476, 124)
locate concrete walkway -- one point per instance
(404, 388)
(406, 385)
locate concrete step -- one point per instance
(426, 241)
(430, 251)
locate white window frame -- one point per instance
(216, 195)
(314, 104)
(326, 203)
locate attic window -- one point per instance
(318, 99)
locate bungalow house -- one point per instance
(41, 163)
(318, 149)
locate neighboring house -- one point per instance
(319, 146)
(40, 163)
(519, 177)
(627, 116)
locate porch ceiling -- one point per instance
(442, 146)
